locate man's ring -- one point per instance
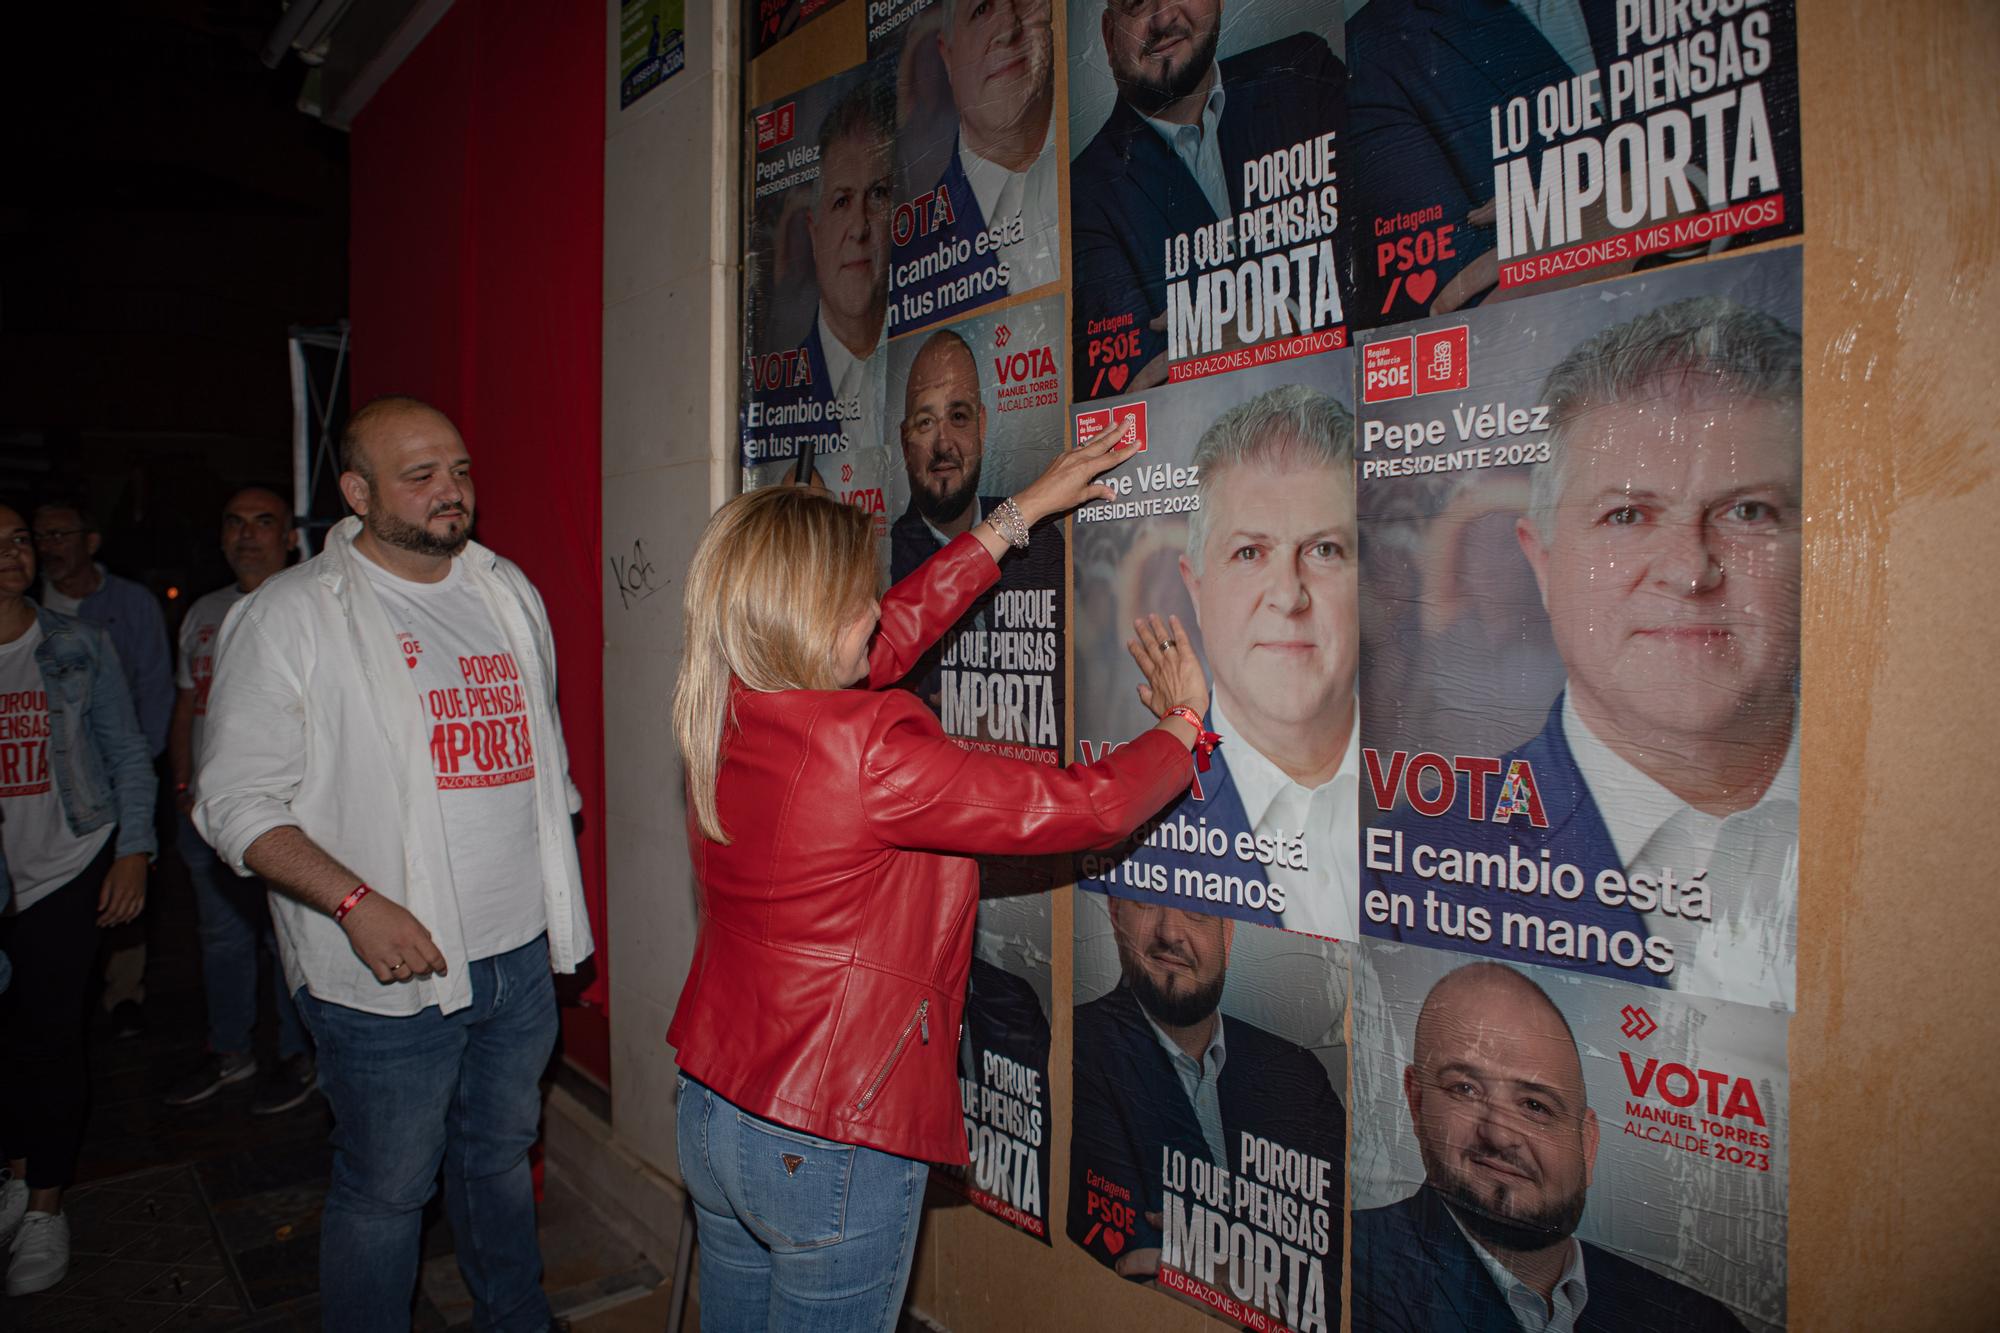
(1166, 644)
(398, 967)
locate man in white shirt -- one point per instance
(258, 538)
(1270, 566)
(1509, 1142)
(383, 747)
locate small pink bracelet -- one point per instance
(347, 904)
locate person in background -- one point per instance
(382, 746)
(257, 540)
(833, 827)
(76, 829)
(67, 539)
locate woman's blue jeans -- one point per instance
(796, 1231)
(412, 1094)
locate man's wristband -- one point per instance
(348, 903)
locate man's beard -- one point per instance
(1180, 1009)
(946, 508)
(411, 537)
(1149, 95)
(1520, 1230)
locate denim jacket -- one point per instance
(103, 770)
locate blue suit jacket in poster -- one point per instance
(1576, 834)
(1414, 1272)
(1129, 1105)
(966, 224)
(819, 389)
(1130, 193)
(1221, 807)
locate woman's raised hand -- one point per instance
(1072, 479)
(1174, 678)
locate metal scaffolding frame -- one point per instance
(319, 409)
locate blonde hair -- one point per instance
(779, 572)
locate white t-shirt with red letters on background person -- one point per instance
(197, 650)
(469, 686)
(42, 853)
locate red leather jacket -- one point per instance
(836, 929)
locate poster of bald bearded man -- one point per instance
(1205, 186)
(1581, 619)
(976, 215)
(817, 289)
(1561, 1151)
(1208, 1142)
(977, 407)
(1239, 517)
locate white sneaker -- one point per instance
(13, 1204)
(41, 1254)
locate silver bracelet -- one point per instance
(1008, 522)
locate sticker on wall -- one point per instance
(769, 22)
(977, 408)
(1238, 516)
(651, 46)
(1501, 149)
(816, 290)
(1205, 189)
(1207, 1150)
(976, 215)
(1524, 1134)
(1580, 628)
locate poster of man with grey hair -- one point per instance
(1238, 515)
(1580, 619)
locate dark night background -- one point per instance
(166, 215)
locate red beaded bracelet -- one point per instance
(1205, 740)
(347, 904)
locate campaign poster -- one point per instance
(976, 211)
(1575, 1139)
(1207, 162)
(1236, 514)
(768, 22)
(816, 290)
(1208, 1140)
(976, 408)
(1581, 519)
(651, 46)
(1003, 1052)
(1496, 150)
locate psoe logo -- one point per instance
(412, 649)
(1637, 1024)
(776, 126)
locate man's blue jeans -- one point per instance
(796, 1231)
(411, 1094)
(235, 923)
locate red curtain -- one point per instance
(477, 197)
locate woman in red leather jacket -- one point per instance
(833, 827)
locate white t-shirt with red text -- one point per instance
(42, 853)
(470, 688)
(197, 650)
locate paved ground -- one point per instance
(208, 1217)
